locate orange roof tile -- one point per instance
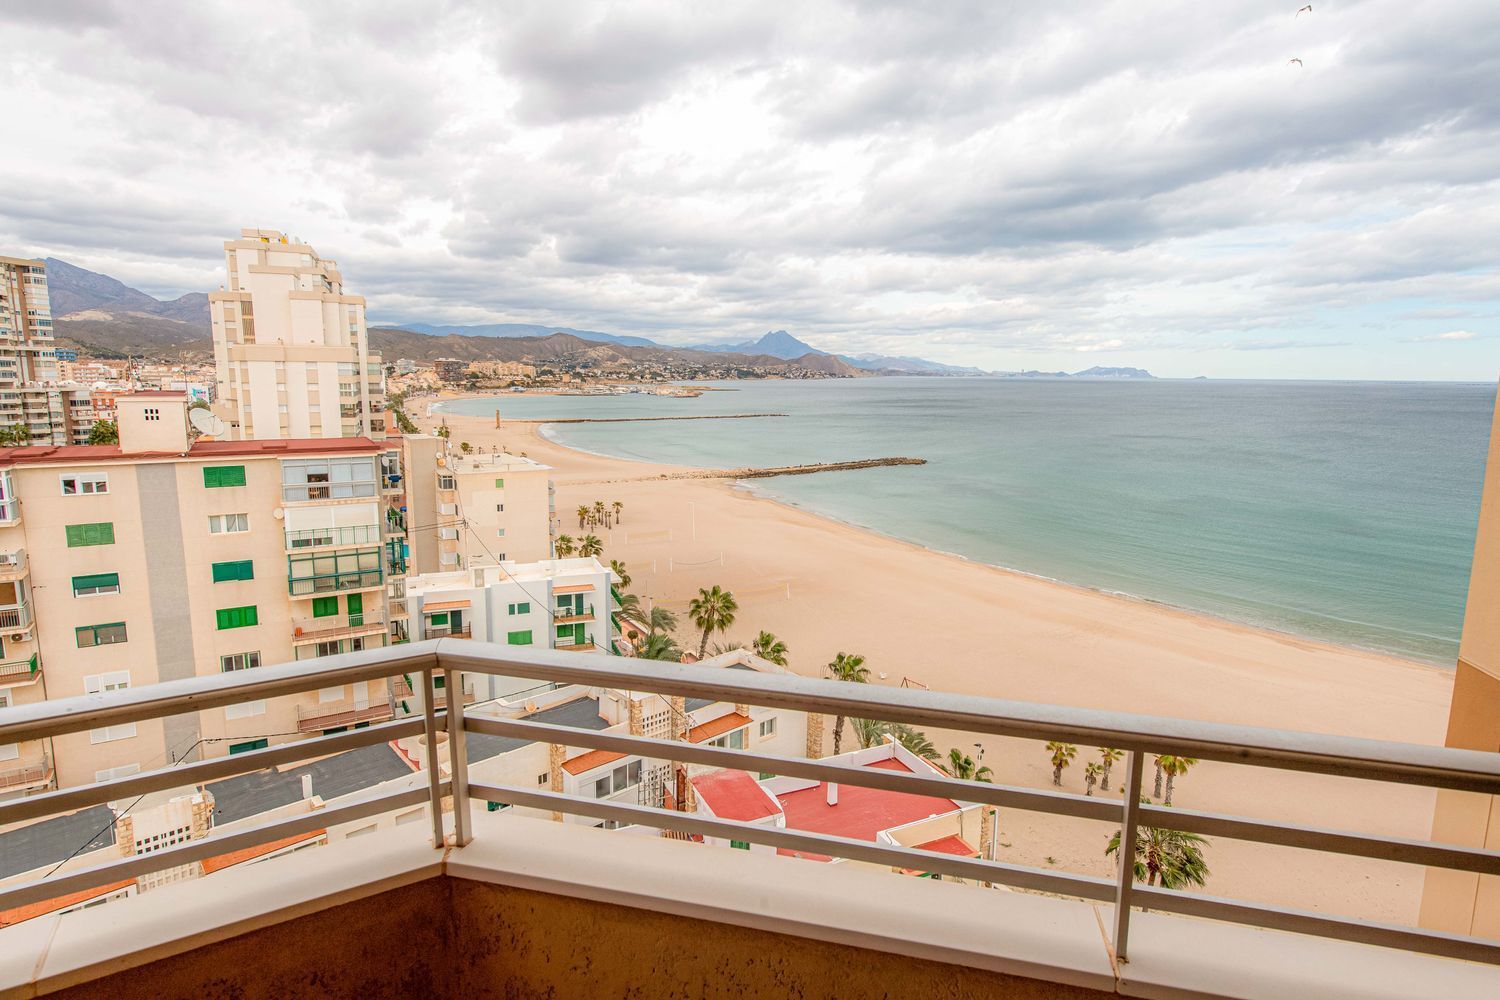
(573, 588)
(46, 906)
(443, 605)
(88, 454)
(219, 862)
(591, 760)
(717, 727)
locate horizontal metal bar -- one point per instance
(1303, 922)
(1082, 886)
(206, 847)
(200, 772)
(1415, 852)
(1057, 803)
(192, 694)
(1345, 756)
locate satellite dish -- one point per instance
(204, 422)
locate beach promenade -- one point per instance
(950, 624)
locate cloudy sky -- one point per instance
(1015, 186)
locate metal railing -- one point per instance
(333, 583)
(356, 534)
(28, 666)
(326, 629)
(34, 771)
(570, 613)
(1345, 757)
(15, 616)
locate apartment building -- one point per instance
(165, 557)
(502, 370)
(491, 508)
(30, 392)
(451, 369)
(291, 350)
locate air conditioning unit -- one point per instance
(17, 636)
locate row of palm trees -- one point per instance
(1168, 766)
(588, 545)
(600, 514)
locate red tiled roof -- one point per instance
(178, 393)
(733, 794)
(717, 727)
(88, 454)
(591, 760)
(444, 605)
(952, 844)
(219, 862)
(46, 906)
(860, 813)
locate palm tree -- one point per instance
(962, 766)
(1107, 758)
(1175, 766)
(619, 571)
(1062, 756)
(846, 667)
(443, 432)
(768, 647)
(1158, 759)
(661, 620)
(18, 435)
(914, 740)
(660, 646)
(564, 545)
(583, 515)
(628, 605)
(590, 546)
(618, 506)
(712, 611)
(465, 447)
(1170, 857)
(1091, 773)
(598, 511)
(869, 732)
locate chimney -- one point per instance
(307, 786)
(833, 793)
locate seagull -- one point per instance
(1297, 61)
(1301, 11)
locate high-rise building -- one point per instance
(166, 557)
(30, 395)
(291, 351)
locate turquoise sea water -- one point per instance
(1340, 511)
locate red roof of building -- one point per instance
(860, 813)
(46, 906)
(178, 393)
(732, 794)
(591, 760)
(717, 727)
(219, 862)
(89, 454)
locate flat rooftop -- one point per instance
(860, 813)
(733, 794)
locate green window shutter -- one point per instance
(438, 619)
(215, 476)
(518, 638)
(499, 484)
(259, 744)
(238, 617)
(241, 569)
(96, 581)
(740, 845)
(355, 604)
(323, 607)
(100, 533)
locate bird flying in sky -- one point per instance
(1297, 61)
(1301, 11)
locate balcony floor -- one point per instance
(533, 909)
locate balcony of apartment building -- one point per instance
(442, 619)
(568, 614)
(21, 672)
(513, 902)
(26, 772)
(15, 609)
(348, 535)
(13, 566)
(341, 714)
(404, 688)
(336, 628)
(334, 572)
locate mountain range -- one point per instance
(101, 316)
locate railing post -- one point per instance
(1135, 765)
(458, 760)
(434, 772)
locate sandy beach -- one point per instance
(950, 624)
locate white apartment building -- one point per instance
(291, 350)
(30, 393)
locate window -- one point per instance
(499, 508)
(767, 728)
(10, 751)
(117, 680)
(96, 584)
(317, 573)
(445, 483)
(543, 778)
(152, 413)
(239, 661)
(100, 533)
(240, 569)
(218, 476)
(499, 484)
(730, 741)
(238, 617)
(740, 845)
(623, 777)
(521, 608)
(228, 524)
(500, 533)
(327, 479)
(325, 607)
(100, 635)
(244, 710)
(522, 638)
(259, 744)
(85, 483)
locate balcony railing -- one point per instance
(21, 668)
(329, 629)
(26, 774)
(1137, 736)
(332, 583)
(13, 564)
(574, 647)
(15, 616)
(447, 631)
(333, 714)
(10, 510)
(569, 613)
(357, 534)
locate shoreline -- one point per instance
(948, 623)
(748, 488)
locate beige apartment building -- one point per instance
(165, 557)
(30, 393)
(1465, 902)
(291, 350)
(491, 508)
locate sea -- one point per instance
(1342, 511)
